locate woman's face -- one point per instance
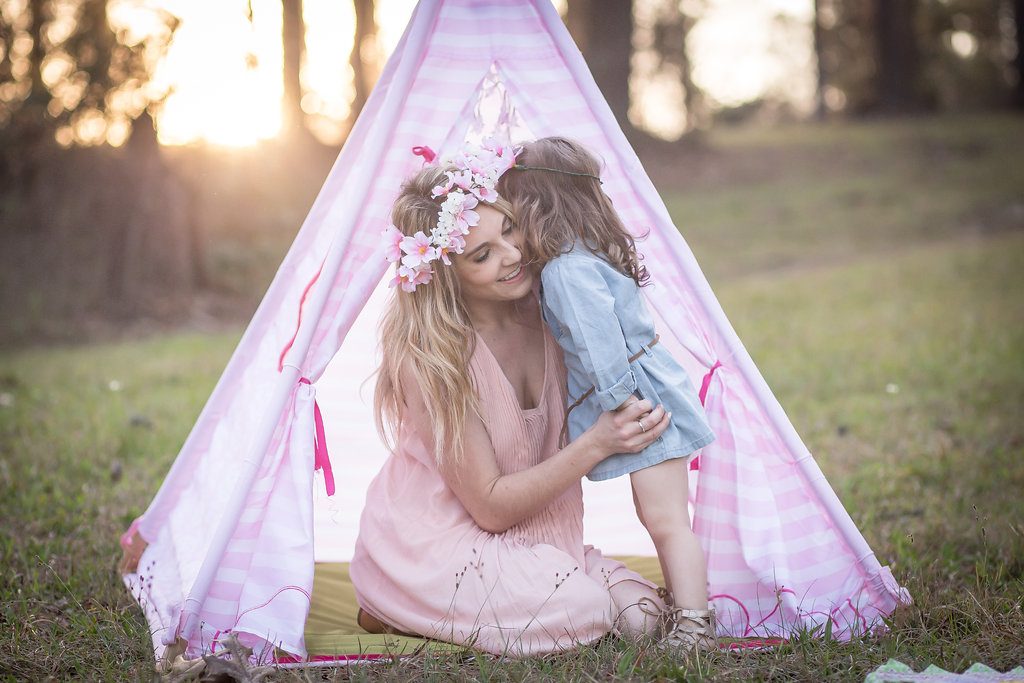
(491, 268)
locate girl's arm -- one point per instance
(577, 295)
(499, 501)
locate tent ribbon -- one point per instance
(322, 460)
(707, 381)
(695, 463)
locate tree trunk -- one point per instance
(153, 260)
(693, 96)
(28, 140)
(362, 56)
(820, 109)
(1018, 61)
(38, 95)
(604, 33)
(293, 43)
(898, 74)
(576, 13)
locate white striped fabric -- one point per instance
(783, 554)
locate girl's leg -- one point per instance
(660, 495)
(661, 559)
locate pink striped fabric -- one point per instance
(783, 553)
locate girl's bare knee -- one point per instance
(666, 518)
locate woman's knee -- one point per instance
(638, 608)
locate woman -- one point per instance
(472, 532)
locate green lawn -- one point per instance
(877, 278)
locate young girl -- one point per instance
(590, 297)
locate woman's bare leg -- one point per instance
(660, 494)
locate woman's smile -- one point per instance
(514, 276)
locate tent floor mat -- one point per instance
(331, 627)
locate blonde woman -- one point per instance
(473, 530)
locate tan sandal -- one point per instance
(690, 629)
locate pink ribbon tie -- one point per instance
(423, 151)
(322, 461)
(707, 381)
(695, 463)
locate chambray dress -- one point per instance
(599, 319)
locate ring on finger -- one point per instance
(641, 423)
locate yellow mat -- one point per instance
(331, 627)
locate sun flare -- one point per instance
(223, 69)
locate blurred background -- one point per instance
(158, 156)
(848, 174)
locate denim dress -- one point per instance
(599, 319)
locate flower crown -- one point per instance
(473, 173)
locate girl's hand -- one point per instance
(630, 429)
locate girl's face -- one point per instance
(491, 266)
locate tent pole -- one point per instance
(423, 19)
(806, 464)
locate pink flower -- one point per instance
(457, 243)
(421, 276)
(485, 194)
(466, 219)
(441, 190)
(409, 278)
(392, 238)
(463, 178)
(505, 159)
(417, 250)
(464, 215)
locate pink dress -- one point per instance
(423, 565)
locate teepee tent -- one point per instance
(243, 518)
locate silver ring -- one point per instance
(641, 423)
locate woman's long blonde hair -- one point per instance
(557, 198)
(428, 332)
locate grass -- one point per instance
(889, 326)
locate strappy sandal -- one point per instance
(690, 630)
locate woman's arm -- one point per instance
(497, 502)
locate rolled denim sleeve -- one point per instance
(577, 295)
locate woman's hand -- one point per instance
(630, 429)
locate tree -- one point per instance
(898, 57)
(100, 214)
(294, 47)
(94, 86)
(671, 34)
(603, 29)
(819, 54)
(1018, 19)
(848, 56)
(364, 57)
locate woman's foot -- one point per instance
(372, 624)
